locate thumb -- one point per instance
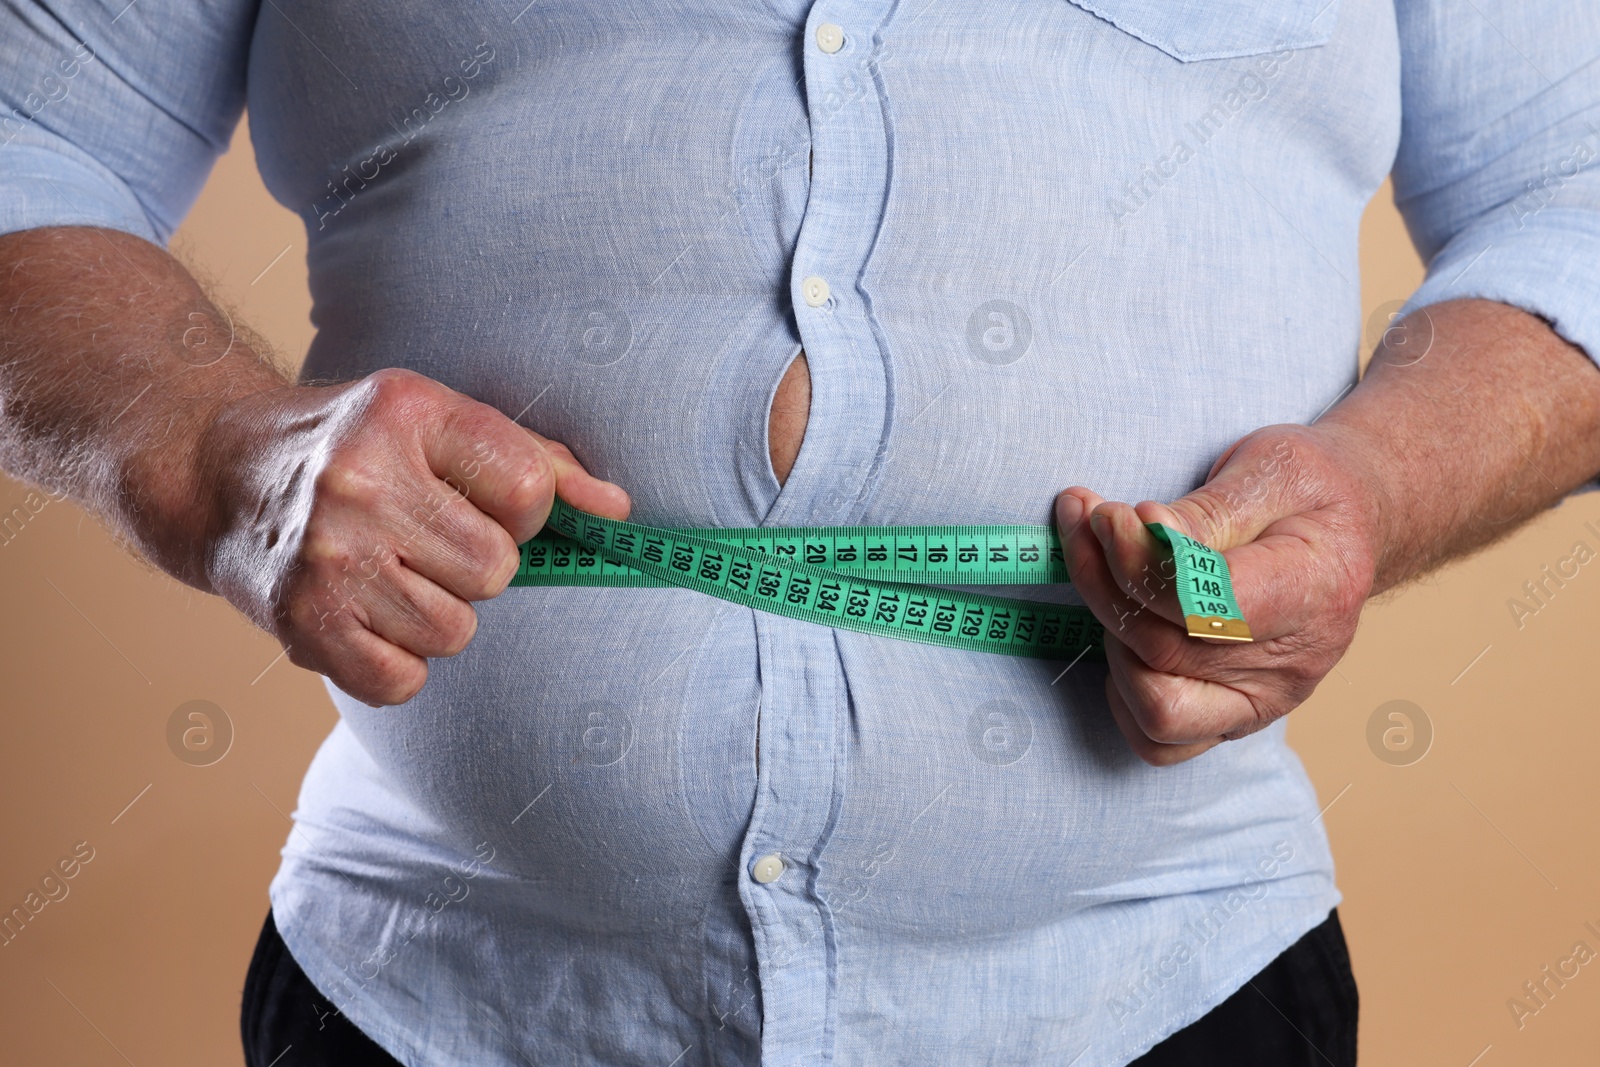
(1248, 490)
(578, 487)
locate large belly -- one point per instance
(601, 741)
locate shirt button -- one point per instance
(768, 868)
(815, 290)
(830, 38)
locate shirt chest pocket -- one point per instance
(1191, 30)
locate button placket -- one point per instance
(849, 372)
(803, 691)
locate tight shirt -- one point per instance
(1060, 242)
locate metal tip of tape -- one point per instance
(1218, 627)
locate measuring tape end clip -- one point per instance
(1218, 626)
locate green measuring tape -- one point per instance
(874, 579)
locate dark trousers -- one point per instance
(1300, 1011)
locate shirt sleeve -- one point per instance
(112, 114)
(1498, 171)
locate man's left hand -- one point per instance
(1298, 514)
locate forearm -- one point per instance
(1468, 432)
(112, 364)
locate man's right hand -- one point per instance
(358, 522)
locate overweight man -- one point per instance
(844, 262)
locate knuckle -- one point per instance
(404, 681)
(473, 584)
(1349, 594)
(478, 585)
(306, 615)
(558, 448)
(533, 485)
(477, 555)
(397, 398)
(321, 549)
(1163, 721)
(390, 385)
(381, 679)
(401, 686)
(455, 628)
(1207, 513)
(489, 573)
(357, 679)
(347, 480)
(299, 615)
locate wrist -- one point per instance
(238, 443)
(1376, 485)
(174, 464)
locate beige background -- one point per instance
(1464, 873)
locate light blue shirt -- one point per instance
(1063, 242)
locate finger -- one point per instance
(1269, 567)
(1151, 751)
(1252, 489)
(372, 670)
(1086, 563)
(408, 610)
(495, 464)
(1072, 507)
(511, 473)
(580, 488)
(1173, 709)
(1078, 544)
(1140, 565)
(447, 540)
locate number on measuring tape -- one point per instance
(876, 579)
